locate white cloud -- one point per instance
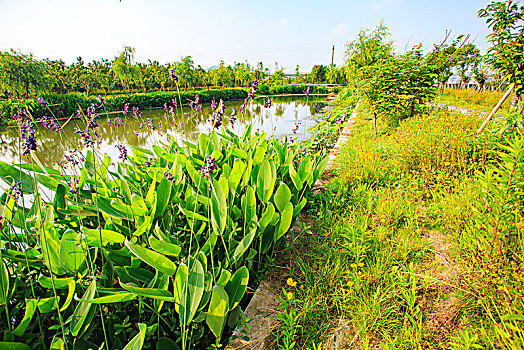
(340, 29)
(284, 21)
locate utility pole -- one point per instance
(332, 54)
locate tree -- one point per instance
(124, 69)
(22, 75)
(368, 49)
(395, 86)
(185, 70)
(506, 54)
(335, 75)
(469, 54)
(318, 74)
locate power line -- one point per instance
(258, 51)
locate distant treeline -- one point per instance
(24, 76)
(66, 105)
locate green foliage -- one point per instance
(395, 86)
(135, 246)
(506, 54)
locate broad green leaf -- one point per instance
(49, 182)
(285, 222)
(239, 153)
(93, 237)
(153, 259)
(163, 194)
(192, 292)
(4, 283)
(192, 215)
(51, 248)
(104, 204)
(217, 311)
(138, 341)
(153, 293)
(46, 305)
(113, 298)
(259, 155)
(72, 255)
(236, 287)
(144, 227)
(265, 182)
(129, 209)
(282, 197)
(218, 208)
(295, 177)
(320, 168)
(180, 282)
(164, 247)
(71, 286)
(225, 276)
(236, 174)
(58, 283)
(151, 193)
(30, 308)
(249, 202)
(11, 175)
(82, 310)
(243, 245)
(267, 217)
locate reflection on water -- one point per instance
(276, 121)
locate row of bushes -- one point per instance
(65, 105)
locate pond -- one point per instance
(287, 116)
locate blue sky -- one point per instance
(287, 32)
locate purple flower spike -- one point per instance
(50, 123)
(209, 167)
(267, 104)
(28, 137)
(173, 76)
(73, 183)
(213, 104)
(170, 177)
(126, 109)
(123, 152)
(100, 100)
(307, 92)
(109, 122)
(118, 122)
(16, 190)
(41, 101)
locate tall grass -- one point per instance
(417, 243)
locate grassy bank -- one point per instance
(417, 242)
(65, 105)
(480, 101)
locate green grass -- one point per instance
(400, 256)
(472, 99)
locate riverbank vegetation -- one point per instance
(154, 250)
(64, 106)
(417, 240)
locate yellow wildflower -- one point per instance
(350, 284)
(520, 224)
(354, 265)
(289, 295)
(360, 264)
(291, 283)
